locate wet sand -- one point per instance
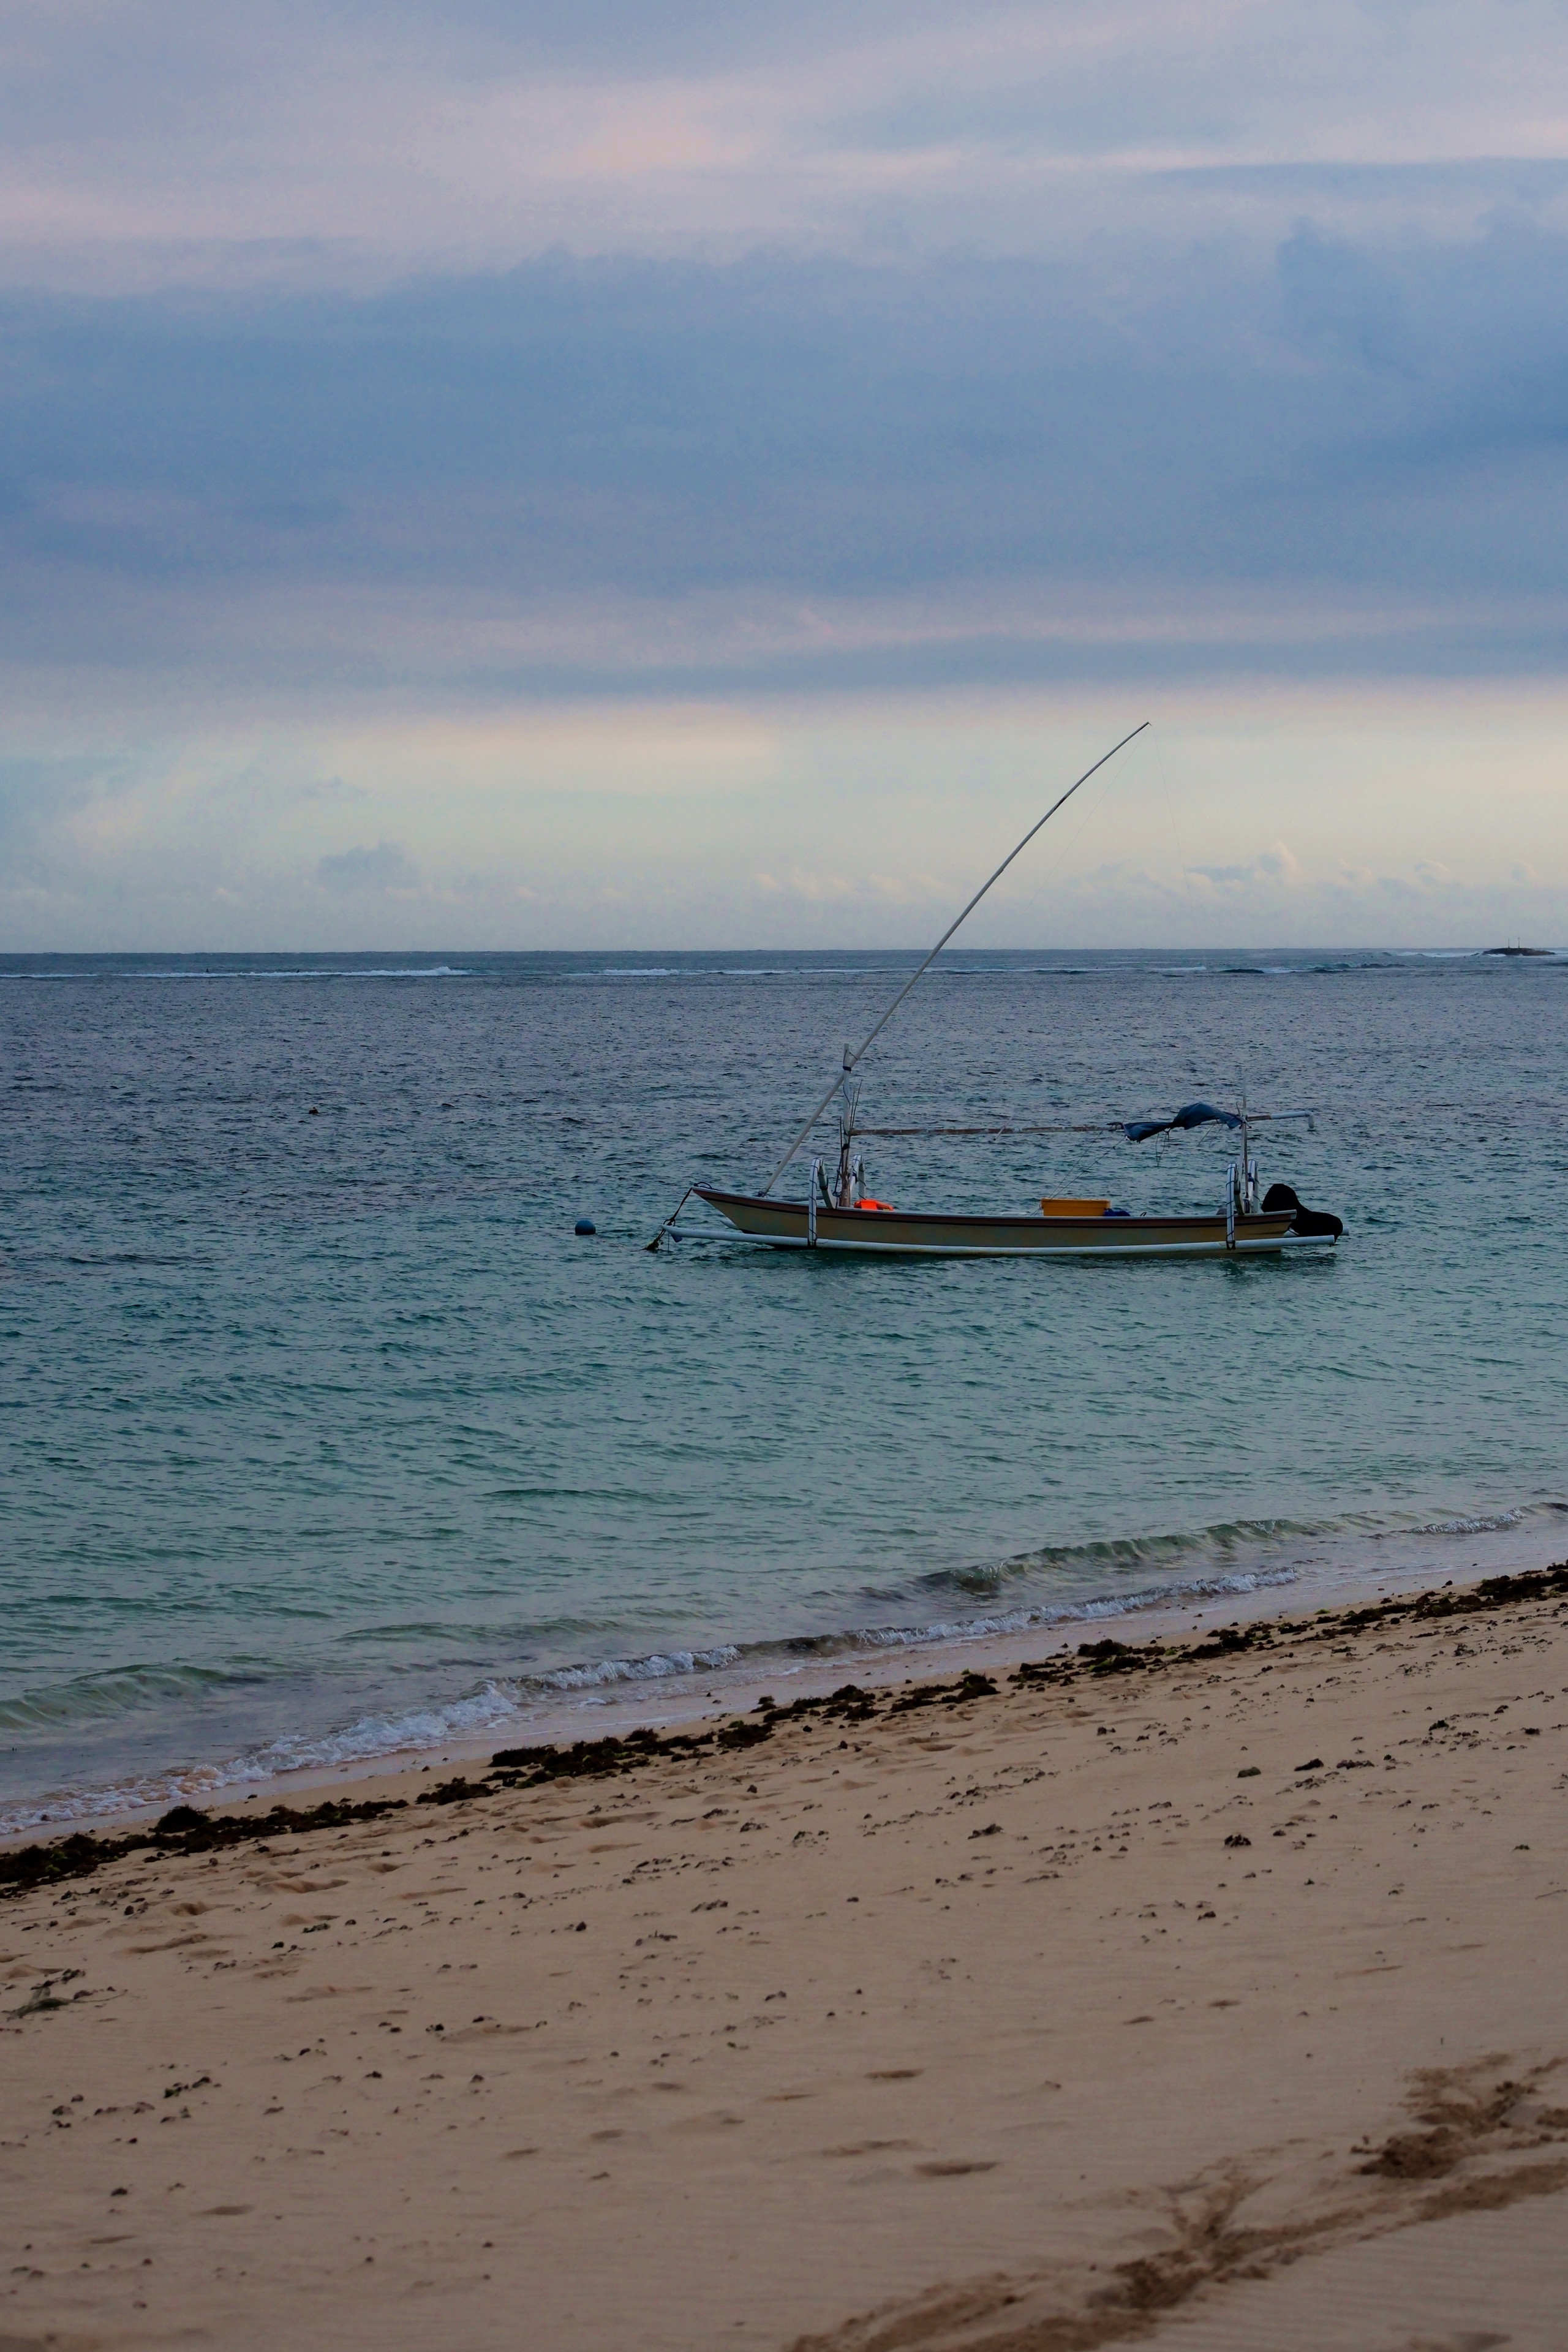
(1206, 1992)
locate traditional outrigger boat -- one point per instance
(838, 1214)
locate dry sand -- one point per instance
(1216, 2000)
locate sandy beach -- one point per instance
(1205, 1992)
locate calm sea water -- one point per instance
(322, 1431)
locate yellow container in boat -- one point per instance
(1074, 1208)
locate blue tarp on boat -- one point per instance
(1198, 1114)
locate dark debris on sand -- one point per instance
(183, 1831)
(530, 1768)
(186, 1830)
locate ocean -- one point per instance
(324, 1436)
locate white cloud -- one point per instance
(350, 871)
(168, 140)
(471, 566)
(866, 820)
(1276, 869)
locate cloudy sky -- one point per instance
(537, 473)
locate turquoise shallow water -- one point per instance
(320, 1431)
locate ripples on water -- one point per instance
(323, 1430)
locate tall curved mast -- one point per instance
(850, 1059)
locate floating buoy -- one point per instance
(585, 1225)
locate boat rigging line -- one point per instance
(850, 1059)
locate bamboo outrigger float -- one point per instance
(837, 1213)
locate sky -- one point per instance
(534, 475)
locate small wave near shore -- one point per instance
(1248, 1567)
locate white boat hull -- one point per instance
(891, 1232)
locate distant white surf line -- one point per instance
(279, 971)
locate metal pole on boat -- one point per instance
(850, 1059)
(1246, 1169)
